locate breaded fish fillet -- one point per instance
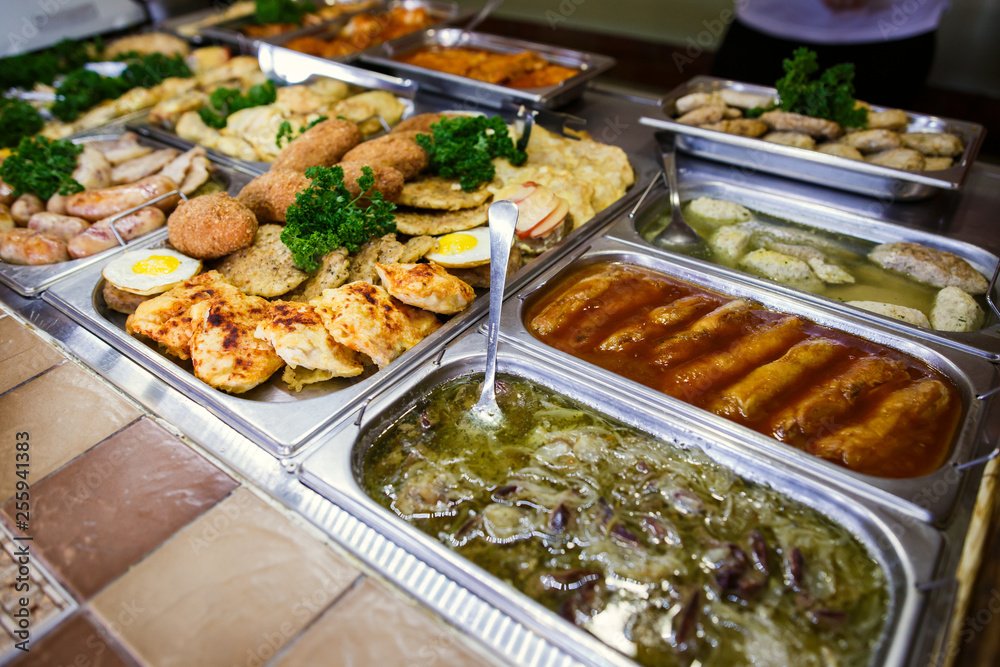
(366, 319)
(269, 195)
(322, 145)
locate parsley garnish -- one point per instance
(829, 96)
(17, 119)
(286, 134)
(281, 11)
(223, 102)
(464, 148)
(43, 167)
(325, 217)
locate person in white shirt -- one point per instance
(890, 42)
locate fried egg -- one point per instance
(462, 250)
(150, 271)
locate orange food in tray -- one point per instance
(860, 404)
(526, 69)
(366, 30)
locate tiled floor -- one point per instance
(171, 560)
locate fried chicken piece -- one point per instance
(891, 119)
(269, 195)
(840, 150)
(872, 141)
(421, 122)
(426, 286)
(367, 319)
(399, 152)
(703, 115)
(933, 143)
(795, 139)
(165, 318)
(388, 179)
(323, 145)
(224, 351)
(298, 335)
(796, 122)
(743, 127)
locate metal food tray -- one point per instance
(812, 166)
(908, 552)
(985, 342)
(480, 93)
(271, 415)
(922, 498)
(32, 280)
(230, 31)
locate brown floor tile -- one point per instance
(22, 354)
(116, 503)
(65, 412)
(77, 641)
(371, 626)
(232, 588)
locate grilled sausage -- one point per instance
(99, 236)
(26, 246)
(99, 204)
(24, 207)
(63, 227)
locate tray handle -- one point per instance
(118, 216)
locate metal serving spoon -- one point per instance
(483, 14)
(503, 220)
(678, 234)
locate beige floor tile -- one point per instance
(65, 412)
(371, 626)
(232, 588)
(22, 354)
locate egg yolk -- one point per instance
(156, 265)
(452, 244)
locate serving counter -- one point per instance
(321, 568)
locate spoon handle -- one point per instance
(503, 221)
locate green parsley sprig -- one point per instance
(43, 167)
(287, 135)
(281, 11)
(464, 148)
(830, 95)
(17, 119)
(325, 216)
(223, 102)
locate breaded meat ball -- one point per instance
(269, 195)
(421, 122)
(322, 145)
(211, 226)
(402, 153)
(388, 180)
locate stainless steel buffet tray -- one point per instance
(271, 415)
(32, 280)
(813, 166)
(985, 342)
(930, 498)
(231, 31)
(478, 93)
(907, 551)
